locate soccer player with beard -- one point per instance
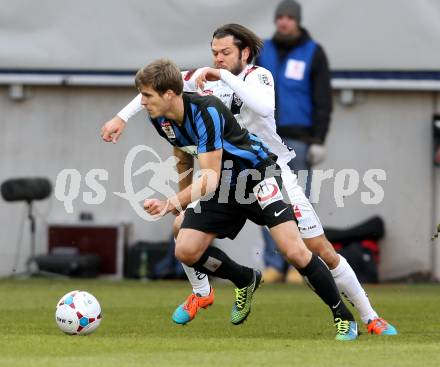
(248, 91)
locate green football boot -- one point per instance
(346, 329)
(243, 300)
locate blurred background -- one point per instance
(67, 67)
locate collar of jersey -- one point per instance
(244, 71)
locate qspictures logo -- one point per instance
(163, 178)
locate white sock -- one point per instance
(348, 284)
(198, 280)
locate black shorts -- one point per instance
(268, 207)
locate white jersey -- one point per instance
(251, 98)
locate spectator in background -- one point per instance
(303, 104)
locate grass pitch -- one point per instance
(288, 326)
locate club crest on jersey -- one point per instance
(168, 129)
(267, 192)
(264, 79)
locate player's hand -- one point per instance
(157, 208)
(208, 74)
(112, 129)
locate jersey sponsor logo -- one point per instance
(305, 229)
(237, 100)
(236, 104)
(264, 79)
(168, 129)
(224, 95)
(267, 192)
(295, 69)
(225, 98)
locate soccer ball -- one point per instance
(78, 313)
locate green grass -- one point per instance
(288, 326)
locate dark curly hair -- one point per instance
(243, 37)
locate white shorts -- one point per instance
(309, 224)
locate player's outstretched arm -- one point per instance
(131, 109)
(256, 91)
(112, 129)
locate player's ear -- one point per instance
(168, 94)
(245, 54)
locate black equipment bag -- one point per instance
(372, 228)
(359, 245)
(74, 265)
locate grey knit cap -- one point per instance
(290, 8)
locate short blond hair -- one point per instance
(161, 75)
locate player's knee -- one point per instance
(330, 257)
(186, 254)
(177, 224)
(324, 249)
(297, 255)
